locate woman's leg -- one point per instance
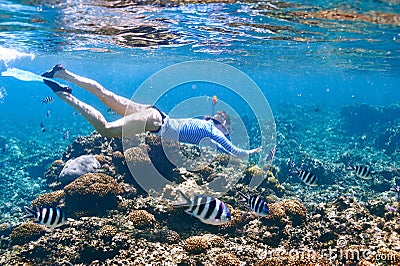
(148, 119)
(117, 103)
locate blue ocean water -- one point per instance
(325, 54)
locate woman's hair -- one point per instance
(222, 118)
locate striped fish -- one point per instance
(256, 203)
(48, 99)
(271, 154)
(48, 216)
(207, 209)
(307, 177)
(112, 112)
(363, 172)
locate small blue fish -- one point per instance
(48, 216)
(207, 209)
(307, 177)
(66, 134)
(396, 189)
(48, 99)
(48, 113)
(42, 127)
(256, 203)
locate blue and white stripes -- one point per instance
(194, 130)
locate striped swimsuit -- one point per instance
(194, 130)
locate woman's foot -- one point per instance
(50, 73)
(57, 87)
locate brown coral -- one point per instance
(196, 244)
(51, 199)
(117, 155)
(287, 208)
(227, 259)
(277, 211)
(216, 241)
(169, 236)
(268, 177)
(273, 183)
(295, 210)
(250, 173)
(107, 232)
(92, 193)
(137, 156)
(141, 218)
(26, 232)
(236, 221)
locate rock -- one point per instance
(77, 167)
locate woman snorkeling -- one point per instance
(139, 118)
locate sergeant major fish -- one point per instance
(48, 216)
(271, 154)
(111, 112)
(256, 203)
(48, 99)
(207, 209)
(42, 127)
(363, 172)
(307, 177)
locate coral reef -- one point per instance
(227, 259)
(77, 167)
(51, 199)
(26, 232)
(291, 209)
(141, 218)
(344, 215)
(196, 244)
(169, 236)
(107, 232)
(92, 193)
(268, 177)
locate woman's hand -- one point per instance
(257, 150)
